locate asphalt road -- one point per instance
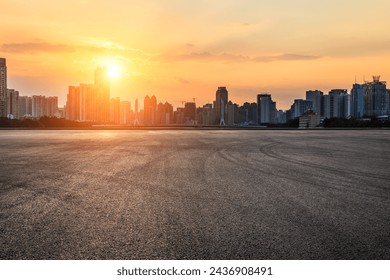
(195, 194)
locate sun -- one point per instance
(114, 68)
(114, 71)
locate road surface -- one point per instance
(195, 194)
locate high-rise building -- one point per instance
(248, 114)
(347, 106)
(388, 102)
(150, 107)
(190, 113)
(221, 101)
(42, 106)
(125, 113)
(3, 88)
(315, 96)
(208, 114)
(90, 102)
(375, 98)
(73, 104)
(136, 114)
(87, 102)
(266, 109)
(102, 95)
(300, 107)
(25, 106)
(280, 117)
(164, 115)
(326, 106)
(115, 110)
(273, 112)
(12, 104)
(38, 103)
(337, 103)
(178, 116)
(357, 101)
(232, 110)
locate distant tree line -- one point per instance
(43, 122)
(289, 124)
(341, 122)
(53, 122)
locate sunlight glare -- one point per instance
(114, 68)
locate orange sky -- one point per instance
(179, 50)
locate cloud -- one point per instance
(107, 49)
(285, 57)
(182, 81)
(38, 47)
(34, 48)
(226, 57)
(203, 56)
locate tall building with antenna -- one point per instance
(221, 101)
(375, 98)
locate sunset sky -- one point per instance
(180, 50)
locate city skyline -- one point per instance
(180, 51)
(93, 103)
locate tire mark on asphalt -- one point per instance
(239, 161)
(268, 151)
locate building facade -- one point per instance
(337, 103)
(357, 101)
(221, 101)
(375, 96)
(150, 108)
(25, 107)
(12, 100)
(315, 96)
(3, 88)
(300, 107)
(266, 109)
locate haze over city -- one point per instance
(182, 50)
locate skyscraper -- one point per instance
(12, 99)
(87, 102)
(136, 116)
(90, 102)
(315, 96)
(326, 106)
(208, 114)
(73, 104)
(164, 114)
(388, 102)
(221, 101)
(357, 104)
(190, 113)
(102, 93)
(375, 98)
(150, 107)
(300, 107)
(25, 106)
(266, 109)
(125, 112)
(249, 113)
(3, 88)
(337, 103)
(115, 110)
